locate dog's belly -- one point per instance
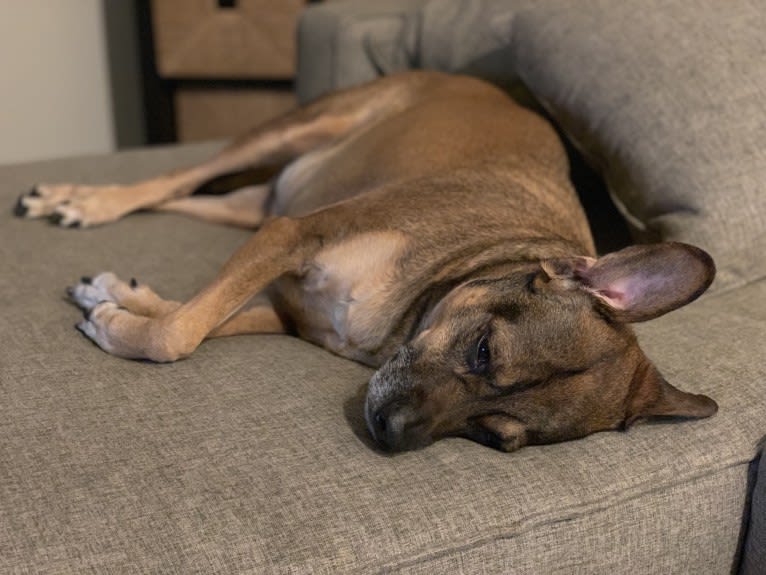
(294, 181)
(314, 181)
(340, 298)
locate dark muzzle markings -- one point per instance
(390, 411)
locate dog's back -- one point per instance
(441, 124)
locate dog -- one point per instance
(425, 225)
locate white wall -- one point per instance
(54, 80)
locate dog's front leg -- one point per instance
(280, 246)
(139, 299)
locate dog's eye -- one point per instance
(481, 357)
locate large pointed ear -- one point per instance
(653, 398)
(640, 282)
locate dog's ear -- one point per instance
(641, 282)
(653, 398)
(497, 430)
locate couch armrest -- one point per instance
(341, 44)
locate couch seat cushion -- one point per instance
(251, 455)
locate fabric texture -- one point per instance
(667, 99)
(341, 44)
(469, 37)
(251, 456)
(754, 552)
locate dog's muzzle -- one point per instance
(392, 420)
(391, 425)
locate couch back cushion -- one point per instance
(668, 99)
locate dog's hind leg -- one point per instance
(272, 144)
(260, 318)
(245, 207)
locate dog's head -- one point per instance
(541, 354)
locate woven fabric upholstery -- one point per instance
(668, 99)
(754, 552)
(251, 455)
(341, 44)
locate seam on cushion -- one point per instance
(535, 521)
(370, 47)
(346, 24)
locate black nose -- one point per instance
(380, 428)
(397, 427)
(380, 423)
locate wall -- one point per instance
(56, 95)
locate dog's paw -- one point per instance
(95, 320)
(118, 331)
(137, 298)
(110, 325)
(42, 200)
(25, 206)
(67, 205)
(115, 330)
(105, 287)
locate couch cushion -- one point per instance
(754, 551)
(341, 44)
(251, 455)
(469, 37)
(668, 99)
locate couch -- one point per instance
(251, 456)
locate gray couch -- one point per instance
(251, 456)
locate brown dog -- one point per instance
(423, 223)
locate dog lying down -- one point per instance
(422, 224)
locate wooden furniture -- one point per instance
(214, 68)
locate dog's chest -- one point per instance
(344, 294)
